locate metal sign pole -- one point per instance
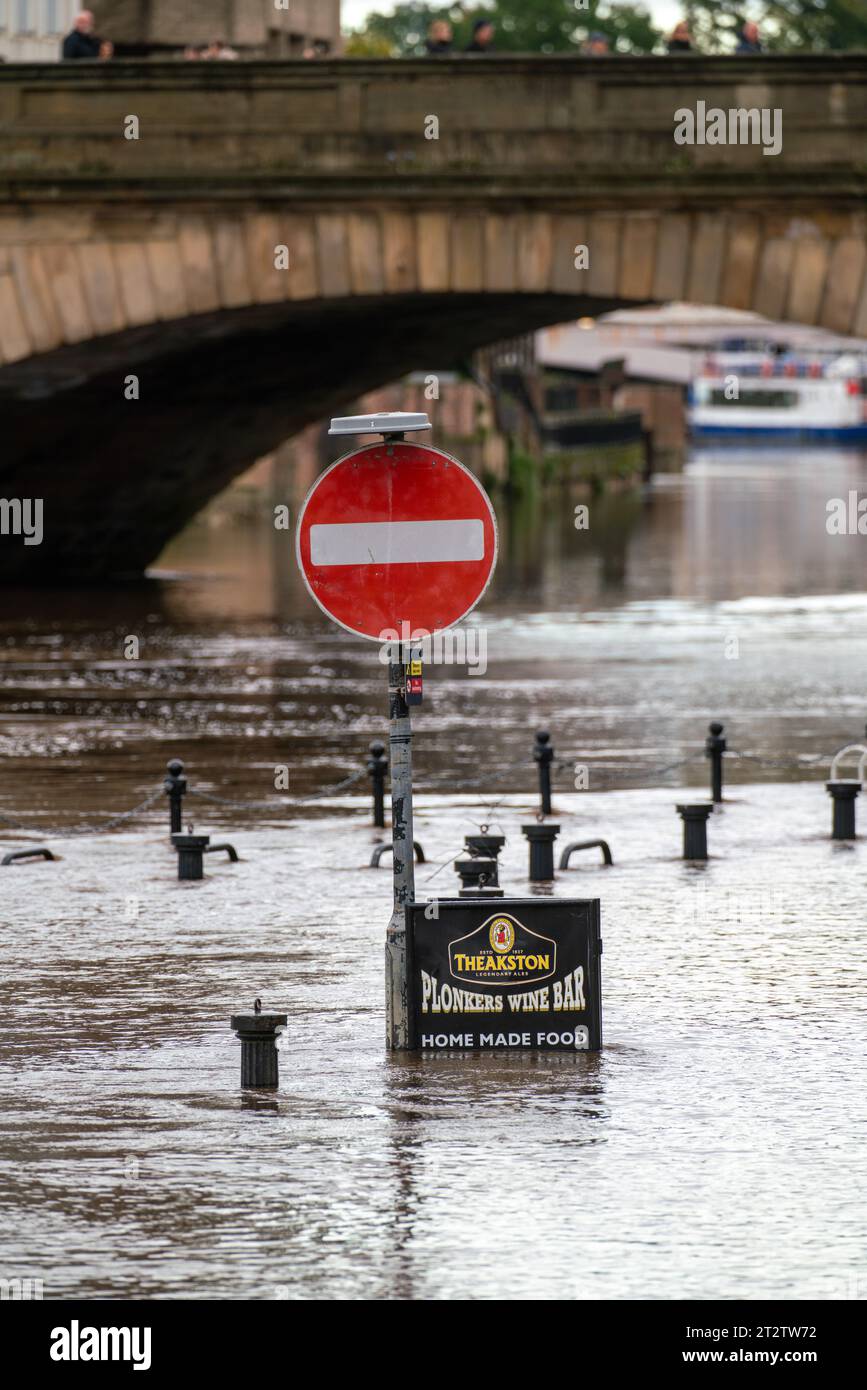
(400, 745)
(368, 510)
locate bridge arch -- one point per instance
(233, 355)
(162, 258)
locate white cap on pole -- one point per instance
(383, 422)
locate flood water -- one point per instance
(715, 1148)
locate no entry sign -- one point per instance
(396, 540)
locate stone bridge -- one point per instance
(196, 260)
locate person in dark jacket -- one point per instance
(82, 42)
(680, 40)
(483, 37)
(749, 39)
(439, 39)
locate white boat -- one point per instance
(767, 396)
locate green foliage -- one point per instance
(522, 26)
(561, 26)
(406, 29)
(789, 26)
(367, 45)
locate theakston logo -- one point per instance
(502, 951)
(77, 1343)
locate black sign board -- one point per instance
(505, 973)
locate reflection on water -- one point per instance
(707, 1152)
(718, 594)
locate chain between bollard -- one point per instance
(276, 806)
(474, 784)
(66, 832)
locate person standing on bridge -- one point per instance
(483, 37)
(749, 39)
(680, 40)
(440, 39)
(82, 42)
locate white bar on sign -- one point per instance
(397, 542)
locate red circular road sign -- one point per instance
(396, 541)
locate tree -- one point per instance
(406, 29)
(560, 26)
(787, 26)
(523, 26)
(366, 45)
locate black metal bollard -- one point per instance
(380, 850)
(16, 856)
(843, 794)
(541, 838)
(714, 747)
(477, 873)
(377, 766)
(175, 785)
(694, 819)
(586, 844)
(484, 846)
(259, 1057)
(217, 849)
(543, 754)
(191, 851)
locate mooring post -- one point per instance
(714, 747)
(543, 754)
(694, 819)
(175, 785)
(484, 846)
(191, 851)
(477, 873)
(843, 794)
(377, 766)
(400, 750)
(258, 1033)
(541, 838)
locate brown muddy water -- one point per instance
(715, 1148)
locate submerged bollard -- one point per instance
(543, 754)
(586, 844)
(714, 747)
(484, 846)
(229, 849)
(843, 794)
(191, 851)
(541, 838)
(175, 785)
(258, 1033)
(477, 873)
(377, 766)
(694, 819)
(389, 849)
(18, 855)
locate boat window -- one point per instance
(776, 399)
